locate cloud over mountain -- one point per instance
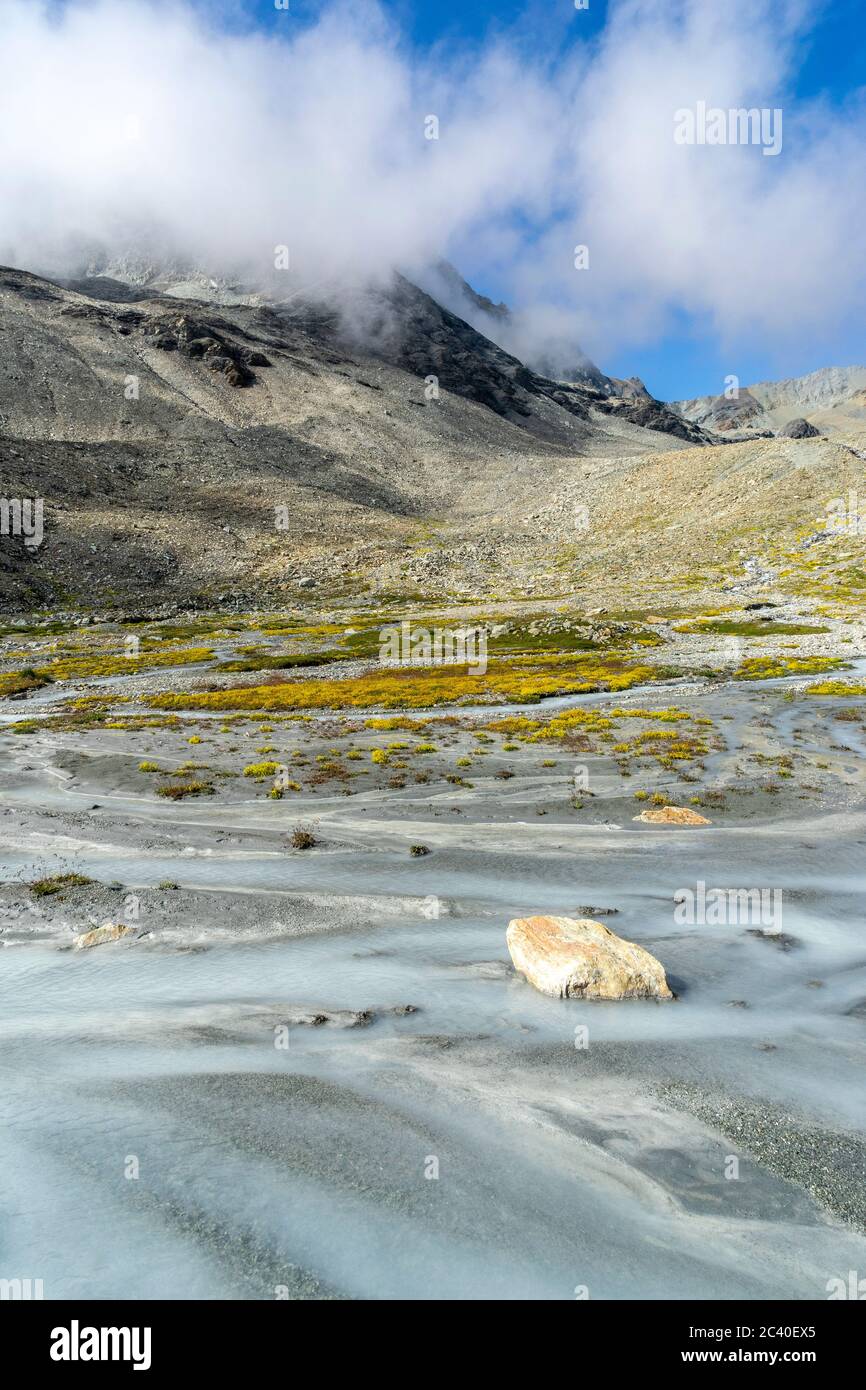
(157, 124)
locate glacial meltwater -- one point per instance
(317, 1074)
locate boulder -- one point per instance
(799, 429)
(673, 815)
(577, 958)
(99, 935)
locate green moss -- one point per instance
(749, 629)
(281, 663)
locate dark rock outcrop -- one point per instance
(799, 429)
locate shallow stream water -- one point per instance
(158, 1139)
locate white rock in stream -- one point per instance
(576, 958)
(109, 931)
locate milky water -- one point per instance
(157, 1142)
(215, 1214)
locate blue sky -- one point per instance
(750, 266)
(690, 358)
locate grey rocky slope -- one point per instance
(192, 451)
(831, 400)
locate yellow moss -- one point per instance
(836, 688)
(665, 716)
(16, 682)
(770, 667)
(525, 679)
(79, 667)
(397, 722)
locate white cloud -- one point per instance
(122, 122)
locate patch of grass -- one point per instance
(47, 887)
(273, 662)
(746, 628)
(18, 682)
(303, 837)
(398, 722)
(176, 791)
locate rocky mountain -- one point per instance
(830, 400)
(560, 360)
(217, 448)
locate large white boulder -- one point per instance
(577, 958)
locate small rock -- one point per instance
(577, 958)
(782, 939)
(672, 815)
(100, 935)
